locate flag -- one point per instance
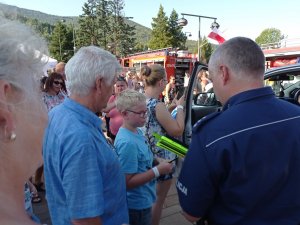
(216, 35)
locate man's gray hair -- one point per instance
(21, 57)
(88, 64)
(242, 55)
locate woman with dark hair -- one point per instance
(170, 91)
(55, 90)
(54, 93)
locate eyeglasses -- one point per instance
(57, 83)
(142, 114)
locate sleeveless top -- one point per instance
(152, 125)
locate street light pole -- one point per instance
(183, 22)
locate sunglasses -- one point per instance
(58, 83)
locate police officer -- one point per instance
(243, 165)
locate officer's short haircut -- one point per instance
(241, 55)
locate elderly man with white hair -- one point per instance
(82, 174)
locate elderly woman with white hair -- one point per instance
(83, 178)
(23, 116)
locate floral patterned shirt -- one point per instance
(53, 100)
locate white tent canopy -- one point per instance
(50, 63)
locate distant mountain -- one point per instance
(13, 12)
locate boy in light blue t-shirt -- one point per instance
(136, 158)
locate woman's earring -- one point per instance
(13, 136)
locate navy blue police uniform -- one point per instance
(243, 164)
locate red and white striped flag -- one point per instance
(216, 35)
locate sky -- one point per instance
(236, 17)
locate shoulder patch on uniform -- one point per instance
(204, 120)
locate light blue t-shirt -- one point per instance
(136, 157)
(82, 173)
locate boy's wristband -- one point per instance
(156, 172)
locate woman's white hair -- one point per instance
(21, 52)
(128, 99)
(88, 64)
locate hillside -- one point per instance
(142, 33)
(13, 12)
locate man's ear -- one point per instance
(99, 85)
(7, 123)
(224, 74)
(124, 113)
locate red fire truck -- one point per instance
(283, 53)
(176, 63)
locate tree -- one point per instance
(159, 36)
(88, 25)
(127, 40)
(103, 12)
(269, 35)
(206, 50)
(61, 43)
(177, 37)
(192, 46)
(102, 23)
(47, 32)
(122, 38)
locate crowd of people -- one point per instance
(232, 174)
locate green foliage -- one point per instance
(123, 34)
(89, 31)
(61, 43)
(96, 26)
(166, 32)
(102, 23)
(269, 35)
(159, 36)
(45, 24)
(206, 50)
(178, 38)
(192, 46)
